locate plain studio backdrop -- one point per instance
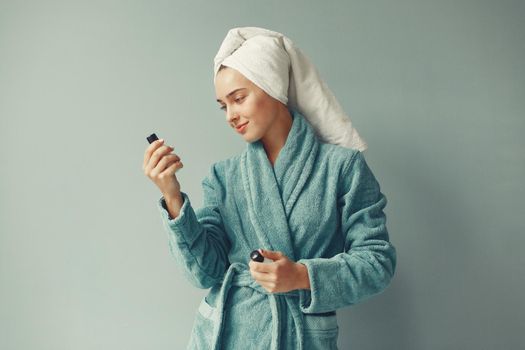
(436, 88)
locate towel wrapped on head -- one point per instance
(272, 62)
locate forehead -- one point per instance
(229, 79)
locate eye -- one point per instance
(238, 100)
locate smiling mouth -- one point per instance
(240, 126)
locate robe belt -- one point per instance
(238, 274)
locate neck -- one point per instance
(276, 136)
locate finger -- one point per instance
(263, 277)
(274, 255)
(170, 163)
(156, 156)
(150, 149)
(172, 169)
(263, 267)
(257, 266)
(269, 286)
(163, 164)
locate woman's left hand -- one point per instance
(282, 275)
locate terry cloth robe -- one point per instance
(320, 205)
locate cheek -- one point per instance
(255, 106)
(261, 108)
(264, 104)
(252, 110)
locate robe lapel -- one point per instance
(296, 160)
(270, 191)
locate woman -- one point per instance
(301, 192)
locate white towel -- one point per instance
(272, 61)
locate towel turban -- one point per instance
(272, 62)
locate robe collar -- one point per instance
(271, 191)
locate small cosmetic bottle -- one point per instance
(257, 256)
(151, 138)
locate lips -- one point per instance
(238, 127)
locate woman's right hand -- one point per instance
(160, 166)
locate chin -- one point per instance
(249, 138)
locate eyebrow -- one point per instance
(234, 91)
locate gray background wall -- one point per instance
(435, 87)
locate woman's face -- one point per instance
(245, 103)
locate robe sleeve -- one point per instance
(197, 237)
(368, 262)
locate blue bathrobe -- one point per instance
(320, 205)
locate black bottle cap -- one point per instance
(151, 138)
(256, 256)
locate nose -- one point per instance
(231, 115)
